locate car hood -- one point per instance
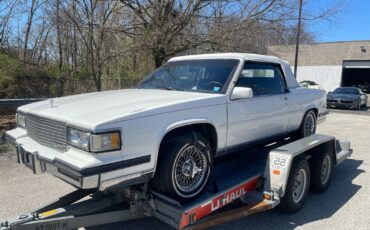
(342, 96)
(99, 108)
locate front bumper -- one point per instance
(97, 176)
(343, 104)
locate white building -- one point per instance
(331, 64)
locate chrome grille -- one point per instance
(47, 132)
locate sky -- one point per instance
(352, 23)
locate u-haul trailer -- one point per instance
(262, 179)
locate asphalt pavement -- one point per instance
(345, 205)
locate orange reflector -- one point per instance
(194, 218)
(276, 172)
(266, 197)
(115, 142)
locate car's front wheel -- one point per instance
(359, 105)
(184, 166)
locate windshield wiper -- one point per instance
(171, 88)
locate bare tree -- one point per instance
(31, 13)
(170, 27)
(71, 46)
(6, 12)
(159, 23)
(91, 17)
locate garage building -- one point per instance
(331, 64)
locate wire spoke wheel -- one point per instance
(184, 166)
(309, 125)
(190, 169)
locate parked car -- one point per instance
(310, 84)
(347, 97)
(170, 128)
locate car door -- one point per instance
(265, 114)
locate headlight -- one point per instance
(21, 120)
(78, 138)
(94, 142)
(105, 142)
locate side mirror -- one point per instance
(241, 93)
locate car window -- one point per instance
(347, 91)
(208, 76)
(263, 79)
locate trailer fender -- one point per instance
(280, 161)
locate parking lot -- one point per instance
(345, 205)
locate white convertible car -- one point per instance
(169, 129)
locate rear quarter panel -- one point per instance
(301, 100)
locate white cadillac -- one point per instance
(169, 129)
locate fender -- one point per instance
(176, 125)
(182, 123)
(307, 108)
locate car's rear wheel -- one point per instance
(308, 125)
(184, 166)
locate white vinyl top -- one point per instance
(291, 81)
(245, 56)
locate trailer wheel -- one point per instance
(297, 187)
(322, 167)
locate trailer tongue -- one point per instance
(260, 180)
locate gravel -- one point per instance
(345, 205)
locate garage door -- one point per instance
(356, 73)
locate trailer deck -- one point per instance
(257, 179)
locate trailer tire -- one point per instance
(322, 167)
(297, 186)
(181, 160)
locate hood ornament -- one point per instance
(52, 104)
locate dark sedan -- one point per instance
(347, 97)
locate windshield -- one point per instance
(347, 91)
(193, 75)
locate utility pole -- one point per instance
(297, 39)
